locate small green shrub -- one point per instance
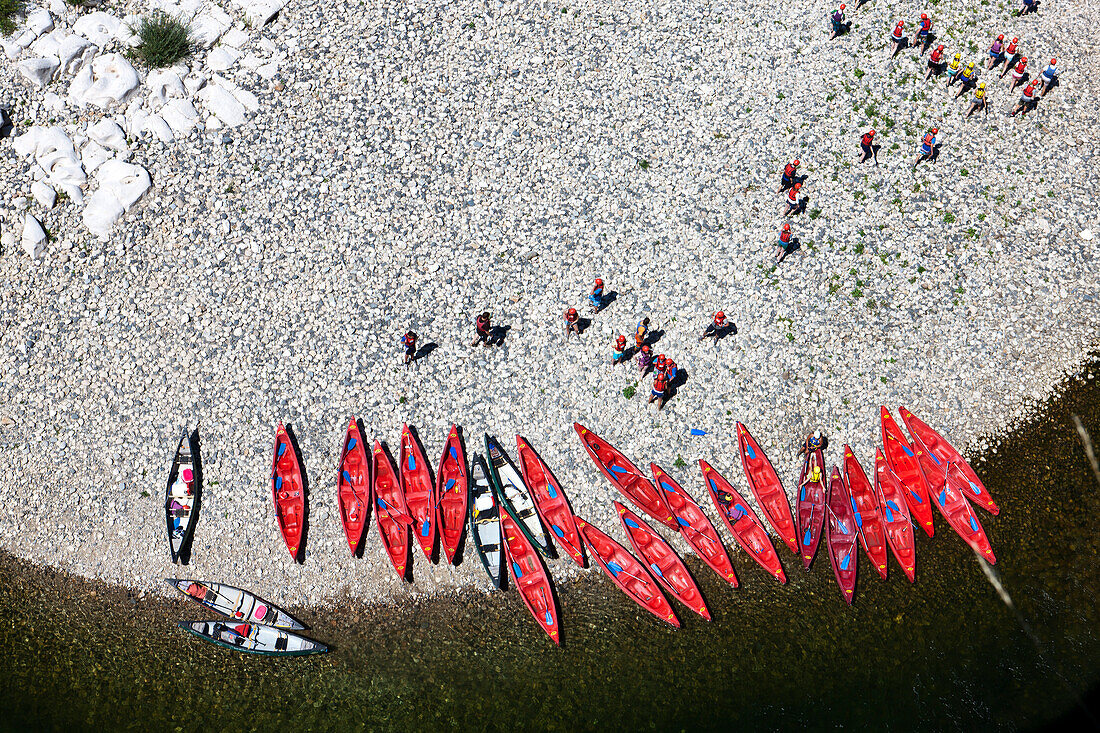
(629, 391)
(9, 10)
(165, 40)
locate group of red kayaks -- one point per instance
(512, 514)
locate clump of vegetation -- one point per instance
(164, 40)
(9, 10)
(629, 391)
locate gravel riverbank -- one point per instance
(412, 165)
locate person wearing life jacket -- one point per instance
(865, 143)
(979, 102)
(484, 327)
(792, 199)
(1028, 99)
(572, 322)
(671, 370)
(838, 22)
(409, 342)
(814, 441)
(660, 386)
(619, 354)
(1011, 54)
(935, 62)
(924, 32)
(968, 78)
(641, 331)
(954, 69)
(644, 359)
(789, 172)
(927, 146)
(898, 37)
(716, 327)
(595, 296)
(785, 241)
(659, 363)
(1018, 72)
(1029, 6)
(996, 51)
(1048, 77)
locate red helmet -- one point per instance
(901, 24)
(1001, 37)
(1054, 62)
(786, 227)
(599, 281)
(572, 311)
(940, 47)
(621, 339)
(842, 6)
(1015, 39)
(871, 132)
(645, 348)
(719, 316)
(1023, 59)
(935, 130)
(923, 16)
(797, 186)
(796, 162)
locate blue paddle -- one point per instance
(426, 526)
(401, 516)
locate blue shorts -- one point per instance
(655, 393)
(925, 150)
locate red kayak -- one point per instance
(766, 487)
(695, 528)
(287, 492)
(811, 504)
(353, 487)
(391, 512)
(664, 563)
(452, 492)
(741, 521)
(529, 576)
(550, 501)
(872, 535)
(842, 536)
(627, 573)
(626, 477)
(895, 516)
(957, 511)
(419, 491)
(938, 454)
(904, 463)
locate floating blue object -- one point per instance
(412, 463)
(697, 431)
(973, 525)
(347, 476)
(936, 459)
(615, 568)
(842, 527)
(802, 494)
(859, 517)
(751, 452)
(890, 503)
(668, 487)
(516, 570)
(550, 490)
(975, 487)
(449, 486)
(889, 514)
(425, 528)
(916, 496)
(908, 452)
(278, 482)
(713, 486)
(453, 452)
(549, 619)
(280, 450)
(943, 497)
(682, 522)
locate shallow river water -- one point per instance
(946, 653)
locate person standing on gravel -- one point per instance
(838, 22)
(954, 69)
(618, 356)
(409, 342)
(1027, 100)
(641, 331)
(716, 328)
(1011, 54)
(660, 386)
(572, 322)
(484, 329)
(1029, 6)
(789, 172)
(1047, 79)
(898, 38)
(595, 297)
(866, 144)
(968, 78)
(927, 146)
(785, 243)
(644, 359)
(979, 102)
(996, 52)
(792, 199)
(1018, 73)
(923, 34)
(935, 63)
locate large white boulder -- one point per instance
(162, 86)
(38, 71)
(98, 27)
(108, 80)
(75, 53)
(120, 187)
(44, 194)
(93, 155)
(107, 133)
(54, 153)
(160, 129)
(209, 25)
(221, 58)
(34, 237)
(126, 32)
(259, 12)
(38, 21)
(180, 115)
(48, 43)
(222, 104)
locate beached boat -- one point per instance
(181, 498)
(237, 604)
(766, 487)
(390, 511)
(530, 577)
(663, 562)
(954, 507)
(550, 501)
(905, 465)
(485, 521)
(811, 505)
(741, 521)
(895, 516)
(841, 523)
(353, 487)
(419, 491)
(872, 534)
(629, 575)
(287, 491)
(452, 492)
(695, 526)
(626, 477)
(936, 454)
(254, 638)
(514, 497)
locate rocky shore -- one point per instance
(412, 165)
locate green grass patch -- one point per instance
(9, 11)
(164, 40)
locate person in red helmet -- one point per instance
(1018, 72)
(927, 146)
(1048, 78)
(789, 173)
(644, 359)
(659, 364)
(716, 328)
(898, 38)
(595, 296)
(923, 36)
(484, 327)
(1011, 54)
(792, 199)
(839, 26)
(668, 368)
(1027, 100)
(572, 322)
(618, 356)
(409, 342)
(785, 243)
(867, 145)
(996, 52)
(660, 387)
(936, 62)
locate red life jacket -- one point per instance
(789, 170)
(866, 139)
(1021, 67)
(1011, 49)
(897, 34)
(785, 237)
(792, 197)
(936, 57)
(660, 383)
(929, 139)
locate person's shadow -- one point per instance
(801, 208)
(902, 45)
(583, 324)
(424, 351)
(790, 249)
(653, 337)
(1033, 9)
(497, 334)
(843, 29)
(609, 297)
(6, 125)
(935, 153)
(1053, 83)
(927, 43)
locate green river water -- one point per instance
(945, 654)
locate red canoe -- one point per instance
(452, 492)
(895, 516)
(811, 505)
(419, 491)
(695, 527)
(627, 573)
(938, 454)
(287, 491)
(626, 477)
(741, 521)
(529, 576)
(960, 515)
(904, 463)
(872, 535)
(664, 563)
(353, 487)
(391, 512)
(842, 536)
(766, 487)
(550, 501)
